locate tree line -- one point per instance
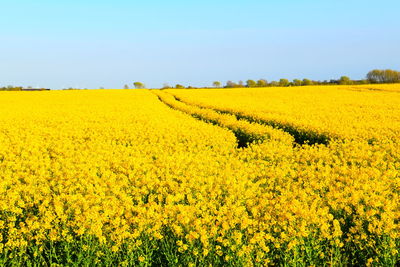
(11, 88)
(344, 80)
(20, 88)
(383, 76)
(374, 76)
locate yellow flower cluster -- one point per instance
(120, 175)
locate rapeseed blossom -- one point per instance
(118, 177)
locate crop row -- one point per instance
(245, 131)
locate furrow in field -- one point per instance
(301, 136)
(246, 132)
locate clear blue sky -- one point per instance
(88, 44)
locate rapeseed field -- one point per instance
(295, 176)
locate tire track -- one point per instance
(246, 132)
(301, 136)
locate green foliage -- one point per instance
(230, 84)
(11, 88)
(383, 76)
(284, 82)
(297, 82)
(179, 86)
(139, 85)
(274, 83)
(217, 84)
(251, 83)
(307, 82)
(344, 80)
(262, 83)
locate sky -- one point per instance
(92, 44)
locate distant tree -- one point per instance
(284, 82)
(297, 82)
(166, 86)
(101, 87)
(179, 86)
(251, 83)
(230, 84)
(30, 87)
(375, 76)
(323, 82)
(11, 88)
(217, 84)
(126, 86)
(345, 80)
(274, 84)
(392, 76)
(333, 81)
(241, 84)
(138, 85)
(383, 76)
(262, 83)
(307, 82)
